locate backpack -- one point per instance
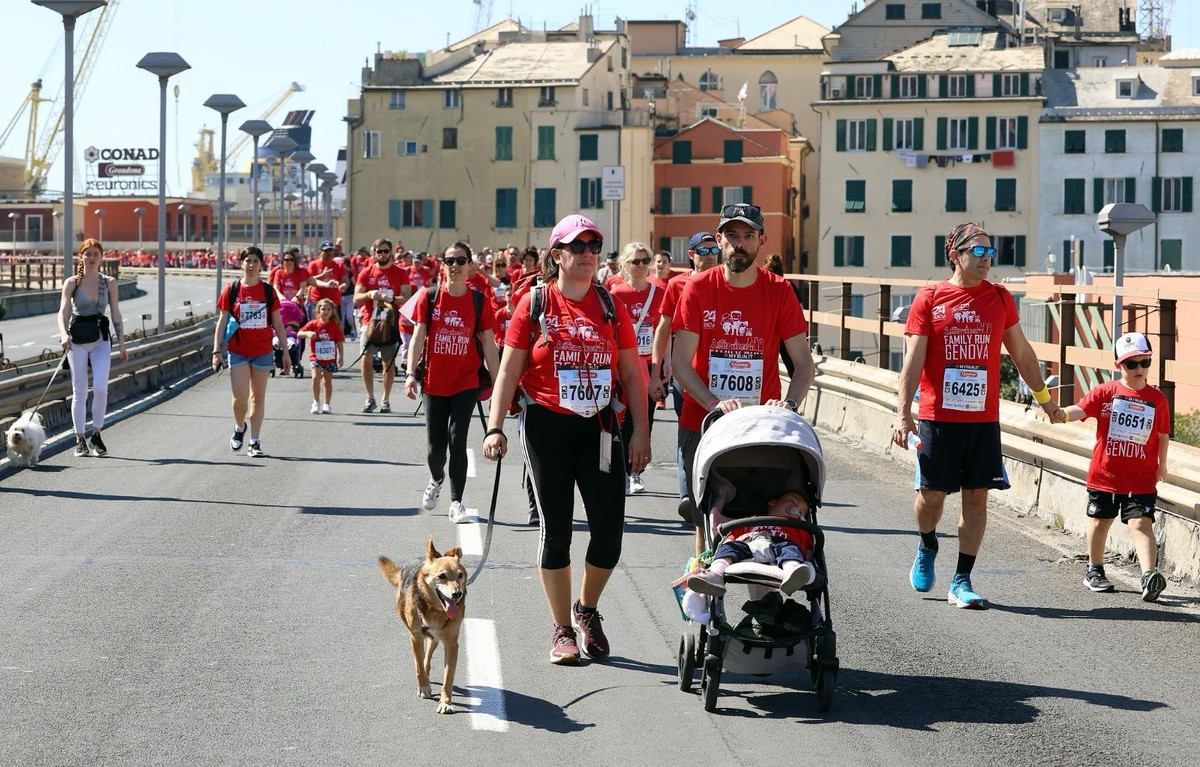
(383, 329)
(231, 294)
(485, 378)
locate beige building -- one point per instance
(493, 141)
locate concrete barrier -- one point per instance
(20, 303)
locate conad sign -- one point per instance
(120, 170)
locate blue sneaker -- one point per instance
(921, 576)
(962, 595)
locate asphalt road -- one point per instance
(176, 603)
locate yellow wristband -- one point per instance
(1041, 396)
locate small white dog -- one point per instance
(25, 438)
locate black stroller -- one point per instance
(743, 460)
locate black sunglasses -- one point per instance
(456, 260)
(289, 259)
(640, 261)
(707, 250)
(1135, 364)
(382, 251)
(579, 246)
(741, 209)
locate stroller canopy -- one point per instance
(767, 446)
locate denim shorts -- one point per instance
(261, 362)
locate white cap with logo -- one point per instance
(1131, 345)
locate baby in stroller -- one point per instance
(293, 317)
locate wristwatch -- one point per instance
(790, 404)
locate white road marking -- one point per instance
(471, 463)
(469, 539)
(484, 679)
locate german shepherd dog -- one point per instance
(431, 599)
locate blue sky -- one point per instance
(256, 48)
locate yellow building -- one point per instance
(494, 141)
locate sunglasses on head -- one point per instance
(980, 251)
(456, 260)
(1135, 364)
(640, 261)
(707, 250)
(741, 209)
(578, 246)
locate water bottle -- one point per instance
(914, 442)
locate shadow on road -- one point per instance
(1112, 613)
(358, 512)
(529, 711)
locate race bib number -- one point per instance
(965, 388)
(325, 350)
(739, 378)
(585, 392)
(252, 315)
(645, 340)
(1131, 421)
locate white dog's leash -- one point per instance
(50, 383)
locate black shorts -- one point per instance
(954, 456)
(1105, 505)
(688, 442)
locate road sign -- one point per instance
(612, 182)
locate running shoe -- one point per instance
(316, 407)
(325, 409)
(587, 621)
(636, 485)
(707, 582)
(369, 407)
(255, 449)
(385, 407)
(430, 498)
(1094, 579)
(81, 448)
(962, 595)
(922, 576)
(798, 578)
(687, 510)
(535, 519)
(97, 445)
(235, 442)
(563, 650)
(458, 513)
(1153, 584)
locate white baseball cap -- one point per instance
(1131, 345)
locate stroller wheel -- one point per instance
(710, 682)
(826, 682)
(687, 661)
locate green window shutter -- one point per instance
(1172, 254)
(1097, 194)
(1114, 141)
(939, 250)
(448, 214)
(1074, 142)
(1156, 194)
(1066, 258)
(1073, 195)
(972, 131)
(748, 195)
(996, 85)
(583, 193)
(427, 219)
(922, 87)
(1110, 255)
(394, 214)
(1130, 189)
(856, 196)
(887, 134)
(878, 86)
(1019, 251)
(664, 201)
(841, 135)
(506, 208)
(941, 132)
(733, 150)
(901, 196)
(1172, 140)
(871, 135)
(664, 243)
(504, 142)
(990, 133)
(901, 250)
(943, 86)
(850, 87)
(956, 195)
(895, 86)
(839, 251)
(1024, 83)
(919, 132)
(545, 142)
(543, 207)
(1022, 133)
(718, 198)
(681, 153)
(695, 200)
(589, 146)
(1006, 194)
(970, 86)
(1187, 194)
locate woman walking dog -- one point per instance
(87, 339)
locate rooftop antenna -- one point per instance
(693, 39)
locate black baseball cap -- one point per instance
(700, 237)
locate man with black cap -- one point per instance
(334, 270)
(729, 325)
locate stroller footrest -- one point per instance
(754, 572)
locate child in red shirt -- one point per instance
(325, 352)
(1133, 431)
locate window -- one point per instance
(504, 97)
(894, 12)
(1010, 85)
(856, 196)
(682, 198)
(583, 96)
(1099, 61)
(931, 10)
(1172, 254)
(396, 100)
(504, 143)
(1196, 86)
(1115, 190)
(905, 134)
(901, 250)
(709, 81)
(1172, 140)
(589, 146)
(681, 153)
(956, 195)
(733, 150)
(545, 135)
(1114, 142)
(902, 195)
(956, 86)
(546, 96)
(856, 135)
(1010, 251)
(543, 207)
(447, 214)
(707, 111)
(864, 87)
(407, 213)
(848, 251)
(1175, 195)
(679, 248)
(908, 86)
(1124, 89)
(370, 143)
(732, 195)
(856, 310)
(1073, 195)
(450, 99)
(958, 136)
(506, 208)
(1006, 133)
(1006, 194)
(768, 85)
(856, 140)
(609, 101)
(1074, 142)
(589, 193)
(406, 147)
(449, 138)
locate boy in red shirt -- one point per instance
(1133, 431)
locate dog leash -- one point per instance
(487, 540)
(50, 383)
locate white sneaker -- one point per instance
(316, 407)
(635, 484)
(458, 513)
(325, 410)
(430, 499)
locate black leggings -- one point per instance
(627, 428)
(563, 451)
(447, 421)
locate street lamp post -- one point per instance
(311, 194)
(304, 158)
(284, 146)
(100, 216)
(255, 129)
(317, 168)
(70, 10)
(164, 65)
(13, 218)
(56, 215)
(139, 211)
(330, 178)
(225, 103)
(184, 208)
(1119, 220)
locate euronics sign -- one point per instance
(121, 170)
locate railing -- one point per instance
(43, 273)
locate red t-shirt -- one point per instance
(740, 332)
(452, 357)
(480, 282)
(614, 280)
(255, 331)
(635, 301)
(801, 538)
(960, 382)
(672, 294)
(288, 283)
(336, 272)
(1129, 426)
(418, 276)
(322, 347)
(373, 277)
(576, 372)
(502, 318)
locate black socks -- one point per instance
(965, 563)
(929, 540)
